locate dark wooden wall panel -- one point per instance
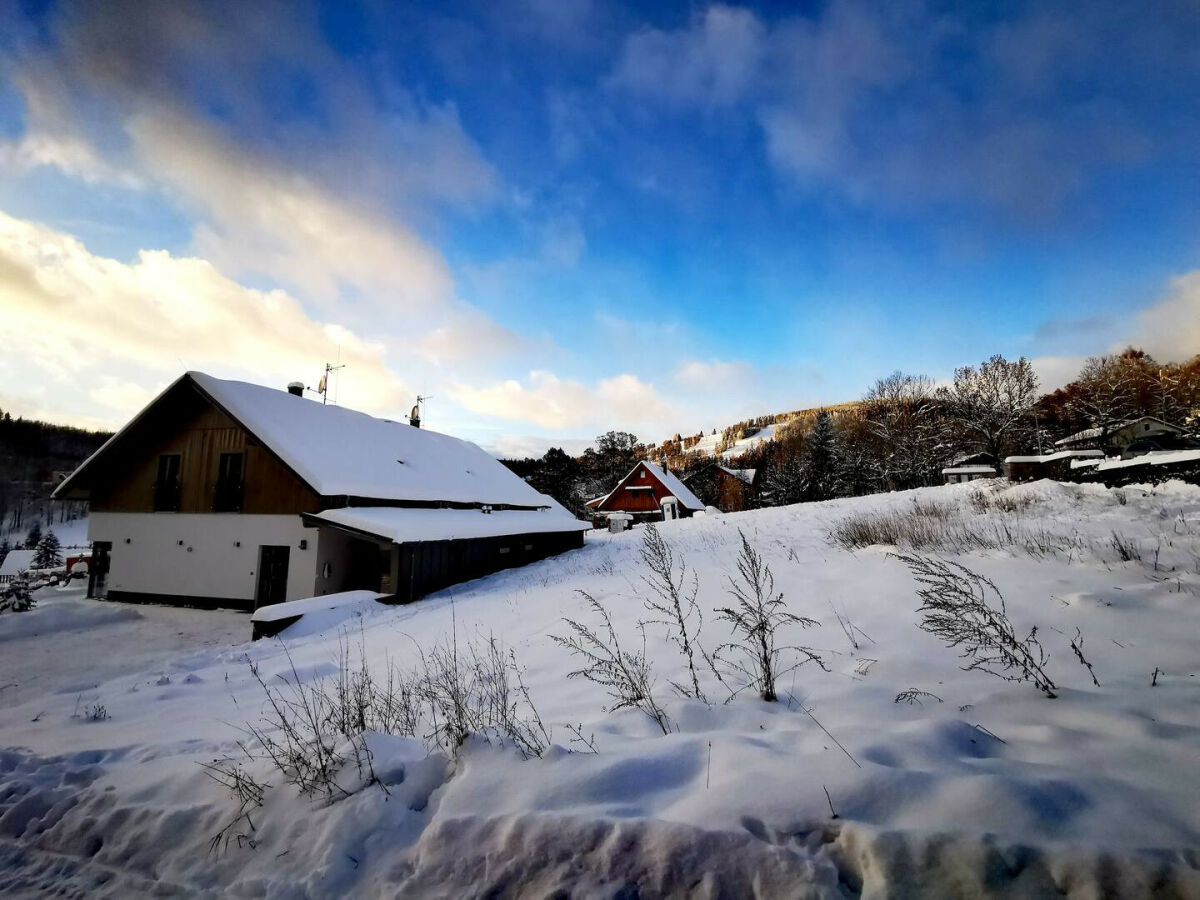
(193, 427)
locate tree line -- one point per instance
(904, 430)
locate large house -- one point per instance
(649, 493)
(221, 493)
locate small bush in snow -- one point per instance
(674, 603)
(17, 597)
(249, 793)
(756, 617)
(917, 696)
(311, 733)
(956, 608)
(1128, 549)
(626, 675)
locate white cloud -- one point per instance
(624, 401)
(1170, 329)
(711, 62)
(714, 373)
(258, 218)
(77, 317)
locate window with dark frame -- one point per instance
(227, 497)
(166, 484)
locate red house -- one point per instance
(648, 493)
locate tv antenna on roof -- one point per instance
(322, 387)
(414, 418)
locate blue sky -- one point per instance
(558, 216)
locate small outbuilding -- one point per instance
(1058, 466)
(15, 562)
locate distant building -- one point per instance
(15, 562)
(649, 493)
(1058, 465)
(729, 490)
(221, 493)
(970, 468)
(1150, 432)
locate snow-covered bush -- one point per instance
(18, 596)
(955, 608)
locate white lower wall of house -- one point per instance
(218, 556)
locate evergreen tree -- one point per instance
(4, 548)
(17, 596)
(48, 554)
(819, 470)
(34, 537)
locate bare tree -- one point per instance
(990, 406)
(1107, 394)
(901, 413)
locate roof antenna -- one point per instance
(414, 417)
(322, 387)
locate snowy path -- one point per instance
(982, 787)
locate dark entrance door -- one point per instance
(98, 570)
(272, 575)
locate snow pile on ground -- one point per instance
(977, 786)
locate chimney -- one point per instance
(414, 418)
(296, 388)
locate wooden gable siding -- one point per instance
(731, 492)
(639, 500)
(187, 423)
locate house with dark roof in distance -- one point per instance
(729, 490)
(970, 467)
(1148, 433)
(649, 493)
(221, 493)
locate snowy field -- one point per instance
(978, 786)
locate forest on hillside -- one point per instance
(31, 453)
(901, 432)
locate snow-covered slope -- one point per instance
(980, 786)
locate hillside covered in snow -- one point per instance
(453, 748)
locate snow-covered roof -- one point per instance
(403, 525)
(1155, 458)
(1090, 433)
(969, 470)
(16, 562)
(1051, 457)
(342, 452)
(746, 475)
(277, 611)
(675, 486)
